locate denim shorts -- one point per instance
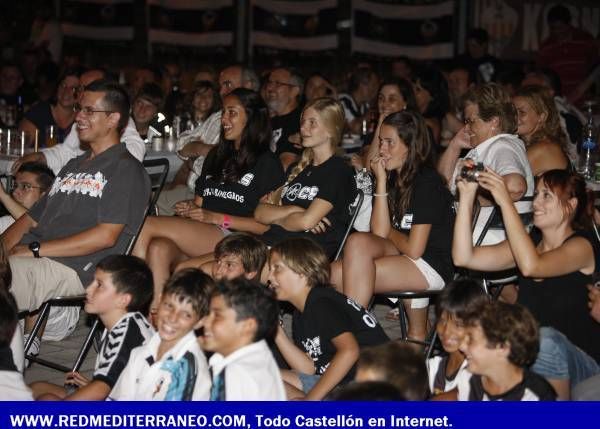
(559, 359)
(308, 380)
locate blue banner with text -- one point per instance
(257, 415)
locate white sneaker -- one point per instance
(62, 321)
(34, 349)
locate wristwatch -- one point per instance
(35, 248)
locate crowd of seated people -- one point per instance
(265, 198)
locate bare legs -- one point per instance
(167, 241)
(371, 265)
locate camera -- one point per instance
(471, 172)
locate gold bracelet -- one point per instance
(380, 195)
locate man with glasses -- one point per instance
(93, 208)
(57, 156)
(283, 90)
(30, 183)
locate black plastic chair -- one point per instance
(431, 338)
(157, 170)
(498, 280)
(354, 208)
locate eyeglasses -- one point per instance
(471, 121)
(277, 83)
(88, 111)
(24, 186)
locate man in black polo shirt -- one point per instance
(93, 208)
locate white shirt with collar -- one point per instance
(504, 154)
(145, 379)
(58, 156)
(251, 374)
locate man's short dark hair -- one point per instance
(153, 93)
(399, 364)
(8, 318)
(509, 325)
(559, 13)
(44, 175)
(115, 99)
(250, 301)
(130, 275)
(252, 251)
(193, 286)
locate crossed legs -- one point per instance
(373, 264)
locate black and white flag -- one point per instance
(203, 23)
(110, 20)
(295, 25)
(422, 31)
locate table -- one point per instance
(6, 161)
(174, 161)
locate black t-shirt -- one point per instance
(531, 388)
(40, 115)
(240, 198)
(431, 203)
(328, 314)
(283, 127)
(562, 302)
(332, 181)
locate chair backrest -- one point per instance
(495, 221)
(157, 169)
(353, 208)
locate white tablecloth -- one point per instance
(6, 162)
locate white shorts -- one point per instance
(434, 281)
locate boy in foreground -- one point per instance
(242, 317)
(119, 295)
(171, 366)
(501, 341)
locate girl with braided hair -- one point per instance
(318, 190)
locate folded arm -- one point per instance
(268, 214)
(306, 219)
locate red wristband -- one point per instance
(226, 222)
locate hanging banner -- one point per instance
(418, 31)
(204, 23)
(517, 28)
(295, 25)
(110, 20)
